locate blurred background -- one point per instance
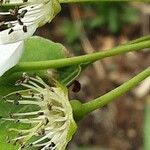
(91, 27)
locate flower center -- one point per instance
(50, 122)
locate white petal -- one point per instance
(17, 35)
(10, 55)
(20, 23)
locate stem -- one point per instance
(59, 63)
(84, 109)
(78, 1)
(142, 39)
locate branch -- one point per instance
(81, 110)
(89, 58)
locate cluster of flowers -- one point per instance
(18, 20)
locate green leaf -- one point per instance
(68, 75)
(36, 49)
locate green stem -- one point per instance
(59, 63)
(142, 39)
(81, 110)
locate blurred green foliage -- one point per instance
(71, 35)
(111, 15)
(105, 16)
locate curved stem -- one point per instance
(89, 58)
(84, 109)
(141, 39)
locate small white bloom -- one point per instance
(25, 16)
(10, 55)
(51, 123)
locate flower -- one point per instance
(21, 21)
(52, 123)
(10, 55)
(18, 20)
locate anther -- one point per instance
(41, 96)
(17, 121)
(52, 144)
(24, 28)
(10, 31)
(49, 106)
(40, 113)
(15, 143)
(20, 22)
(22, 14)
(46, 121)
(30, 145)
(22, 146)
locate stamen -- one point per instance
(51, 122)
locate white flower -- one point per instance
(10, 55)
(18, 21)
(51, 123)
(22, 20)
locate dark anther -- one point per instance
(22, 146)
(10, 31)
(24, 79)
(22, 14)
(20, 22)
(49, 106)
(15, 143)
(40, 113)
(41, 96)
(25, 29)
(52, 144)
(20, 134)
(51, 89)
(25, 1)
(17, 121)
(46, 121)
(30, 145)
